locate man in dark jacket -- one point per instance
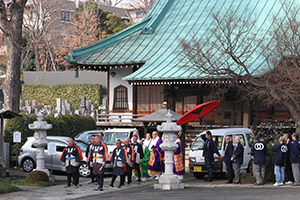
(288, 165)
(237, 158)
(138, 156)
(227, 158)
(118, 162)
(87, 152)
(208, 153)
(295, 160)
(279, 158)
(97, 160)
(71, 159)
(259, 152)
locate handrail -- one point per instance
(113, 117)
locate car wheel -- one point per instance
(84, 170)
(28, 164)
(250, 167)
(199, 175)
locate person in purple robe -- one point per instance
(178, 165)
(156, 161)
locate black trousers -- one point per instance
(75, 179)
(289, 172)
(75, 182)
(208, 163)
(92, 175)
(230, 172)
(99, 178)
(113, 179)
(137, 168)
(128, 174)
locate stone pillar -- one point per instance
(40, 127)
(169, 181)
(83, 105)
(58, 105)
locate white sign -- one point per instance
(17, 137)
(51, 148)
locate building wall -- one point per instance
(116, 81)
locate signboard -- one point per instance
(51, 148)
(17, 137)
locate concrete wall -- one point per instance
(53, 78)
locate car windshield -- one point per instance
(112, 137)
(82, 145)
(84, 136)
(199, 143)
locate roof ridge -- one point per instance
(123, 33)
(109, 40)
(150, 27)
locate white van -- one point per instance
(196, 160)
(112, 135)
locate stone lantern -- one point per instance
(169, 181)
(40, 127)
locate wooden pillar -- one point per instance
(246, 116)
(172, 103)
(134, 105)
(108, 91)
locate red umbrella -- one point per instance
(198, 111)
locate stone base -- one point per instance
(174, 186)
(43, 170)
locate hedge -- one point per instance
(70, 92)
(63, 125)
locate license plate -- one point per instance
(197, 169)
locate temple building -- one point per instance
(144, 62)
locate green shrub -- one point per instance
(63, 125)
(70, 92)
(37, 176)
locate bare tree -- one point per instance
(11, 21)
(41, 19)
(108, 2)
(228, 50)
(142, 5)
(85, 30)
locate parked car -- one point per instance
(27, 157)
(196, 160)
(86, 135)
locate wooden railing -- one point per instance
(113, 117)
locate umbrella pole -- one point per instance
(204, 122)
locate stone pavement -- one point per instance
(87, 190)
(59, 192)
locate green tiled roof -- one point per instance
(155, 41)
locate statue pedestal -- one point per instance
(169, 181)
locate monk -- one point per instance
(178, 166)
(156, 162)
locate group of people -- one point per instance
(286, 158)
(131, 158)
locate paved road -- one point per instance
(195, 190)
(198, 193)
